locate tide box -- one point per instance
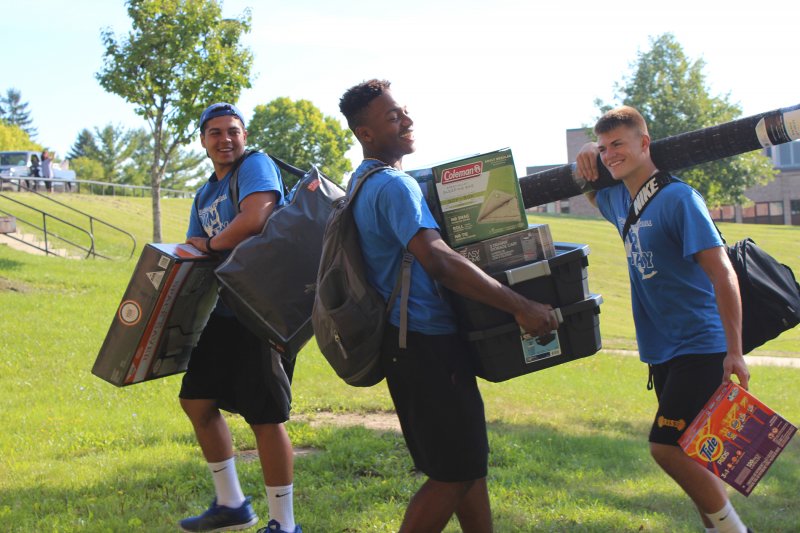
(477, 197)
(514, 249)
(736, 437)
(164, 309)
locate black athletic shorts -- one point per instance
(440, 408)
(234, 367)
(683, 385)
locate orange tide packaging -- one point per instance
(736, 437)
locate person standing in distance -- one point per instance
(685, 295)
(230, 368)
(431, 382)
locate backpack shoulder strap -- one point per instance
(402, 286)
(233, 184)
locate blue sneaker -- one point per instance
(273, 526)
(221, 518)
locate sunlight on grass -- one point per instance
(568, 444)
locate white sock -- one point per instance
(226, 483)
(727, 521)
(281, 506)
(711, 530)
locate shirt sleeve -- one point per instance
(402, 205)
(259, 173)
(694, 224)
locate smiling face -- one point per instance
(224, 139)
(625, 152)
(386, 131)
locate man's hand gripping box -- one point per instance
(165, 308)
(736, 437)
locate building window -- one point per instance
(787, 155)
(795, 207)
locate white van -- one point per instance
(18, 163)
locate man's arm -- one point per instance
(456, 273)
(255, 210)
(586, 167)
(717, 267)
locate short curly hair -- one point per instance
(357, 98)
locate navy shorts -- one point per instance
(240, 371)
(436, 396)
(683, 385)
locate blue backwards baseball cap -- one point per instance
(219, 110)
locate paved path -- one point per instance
(754, 360)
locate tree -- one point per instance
(15, 112)
(184, 172)
(14, 138)
(87, 168)
(671, 93)
(300, 134)
(85, 146)
(179, 57)
(114, 149)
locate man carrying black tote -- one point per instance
(230, 367)
(686, 304)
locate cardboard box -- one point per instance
(478, 197)
(512, 250)
(736, 437)
(8, 224)
(427, 184)
(164, 309)
(500, 350)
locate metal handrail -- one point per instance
(124, 186)
(144, 189)
(91, 218)
(89, 251)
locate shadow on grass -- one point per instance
(540, 479)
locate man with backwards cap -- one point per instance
(230, 368)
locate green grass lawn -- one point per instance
(568, 450)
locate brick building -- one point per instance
(777, 202)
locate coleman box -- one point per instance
(501, 350)
(512, 250)
(165, 308)
(478, 197)
(736, 437)
(427, 184)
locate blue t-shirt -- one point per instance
(674, 307)
(213, 209)
(389, 211)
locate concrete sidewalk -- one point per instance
(753, 359)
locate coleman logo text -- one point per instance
(462, 173)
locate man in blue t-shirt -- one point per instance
(431, 381)
(685, 295)
(230, 367)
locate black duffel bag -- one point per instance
(770, 294)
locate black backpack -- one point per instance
(349, 314)
(770, 294)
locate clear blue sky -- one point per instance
(476, 76)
